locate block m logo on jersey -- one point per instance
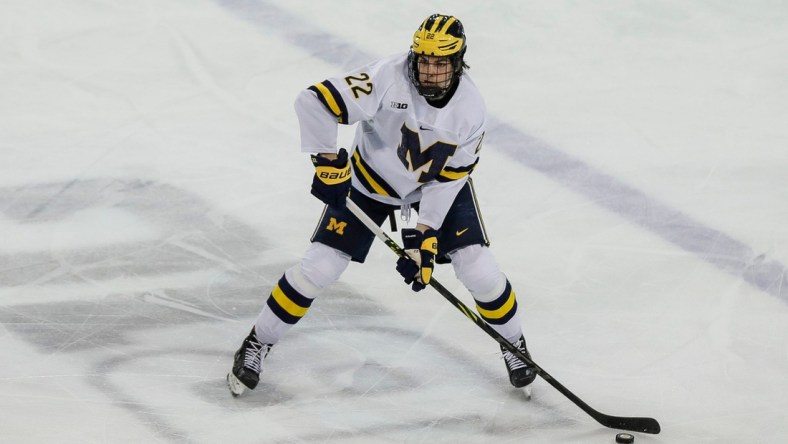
(413, 157)
(336, 226)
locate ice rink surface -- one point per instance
(634, 183)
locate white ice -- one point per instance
(634, 183)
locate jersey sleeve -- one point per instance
(439, 195)
(465, 159)
(436, 200)
(343, 99)
(318, 128)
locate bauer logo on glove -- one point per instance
(331, 182)
(332, 176)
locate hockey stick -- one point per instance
(634, 424)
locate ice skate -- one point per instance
(247, 365)
(521, 375)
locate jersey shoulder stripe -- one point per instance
(331, 99)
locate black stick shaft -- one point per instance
(633, 424)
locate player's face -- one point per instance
(434, 71)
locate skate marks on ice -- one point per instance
(268, 17)
(350, 376)
(148, 289)
(119, 252)
(128, 276)
(712, 246)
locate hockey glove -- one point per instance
(332, 179)
(422, 248)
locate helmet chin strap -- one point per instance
(439, 101)
(434, 92)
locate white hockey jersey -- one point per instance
(405, 150)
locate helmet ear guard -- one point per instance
(438, 36)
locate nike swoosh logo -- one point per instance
(424, 129)
(461, 232)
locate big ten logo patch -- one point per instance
(336, 226)
(399, 105)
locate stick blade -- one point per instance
(643, 425)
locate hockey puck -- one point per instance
(625, 438)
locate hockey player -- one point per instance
(421, 121)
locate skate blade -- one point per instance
(236, 387)
(527, 392)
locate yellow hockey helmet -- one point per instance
(438, 36)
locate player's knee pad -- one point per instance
(320, 266)
(477, 269)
